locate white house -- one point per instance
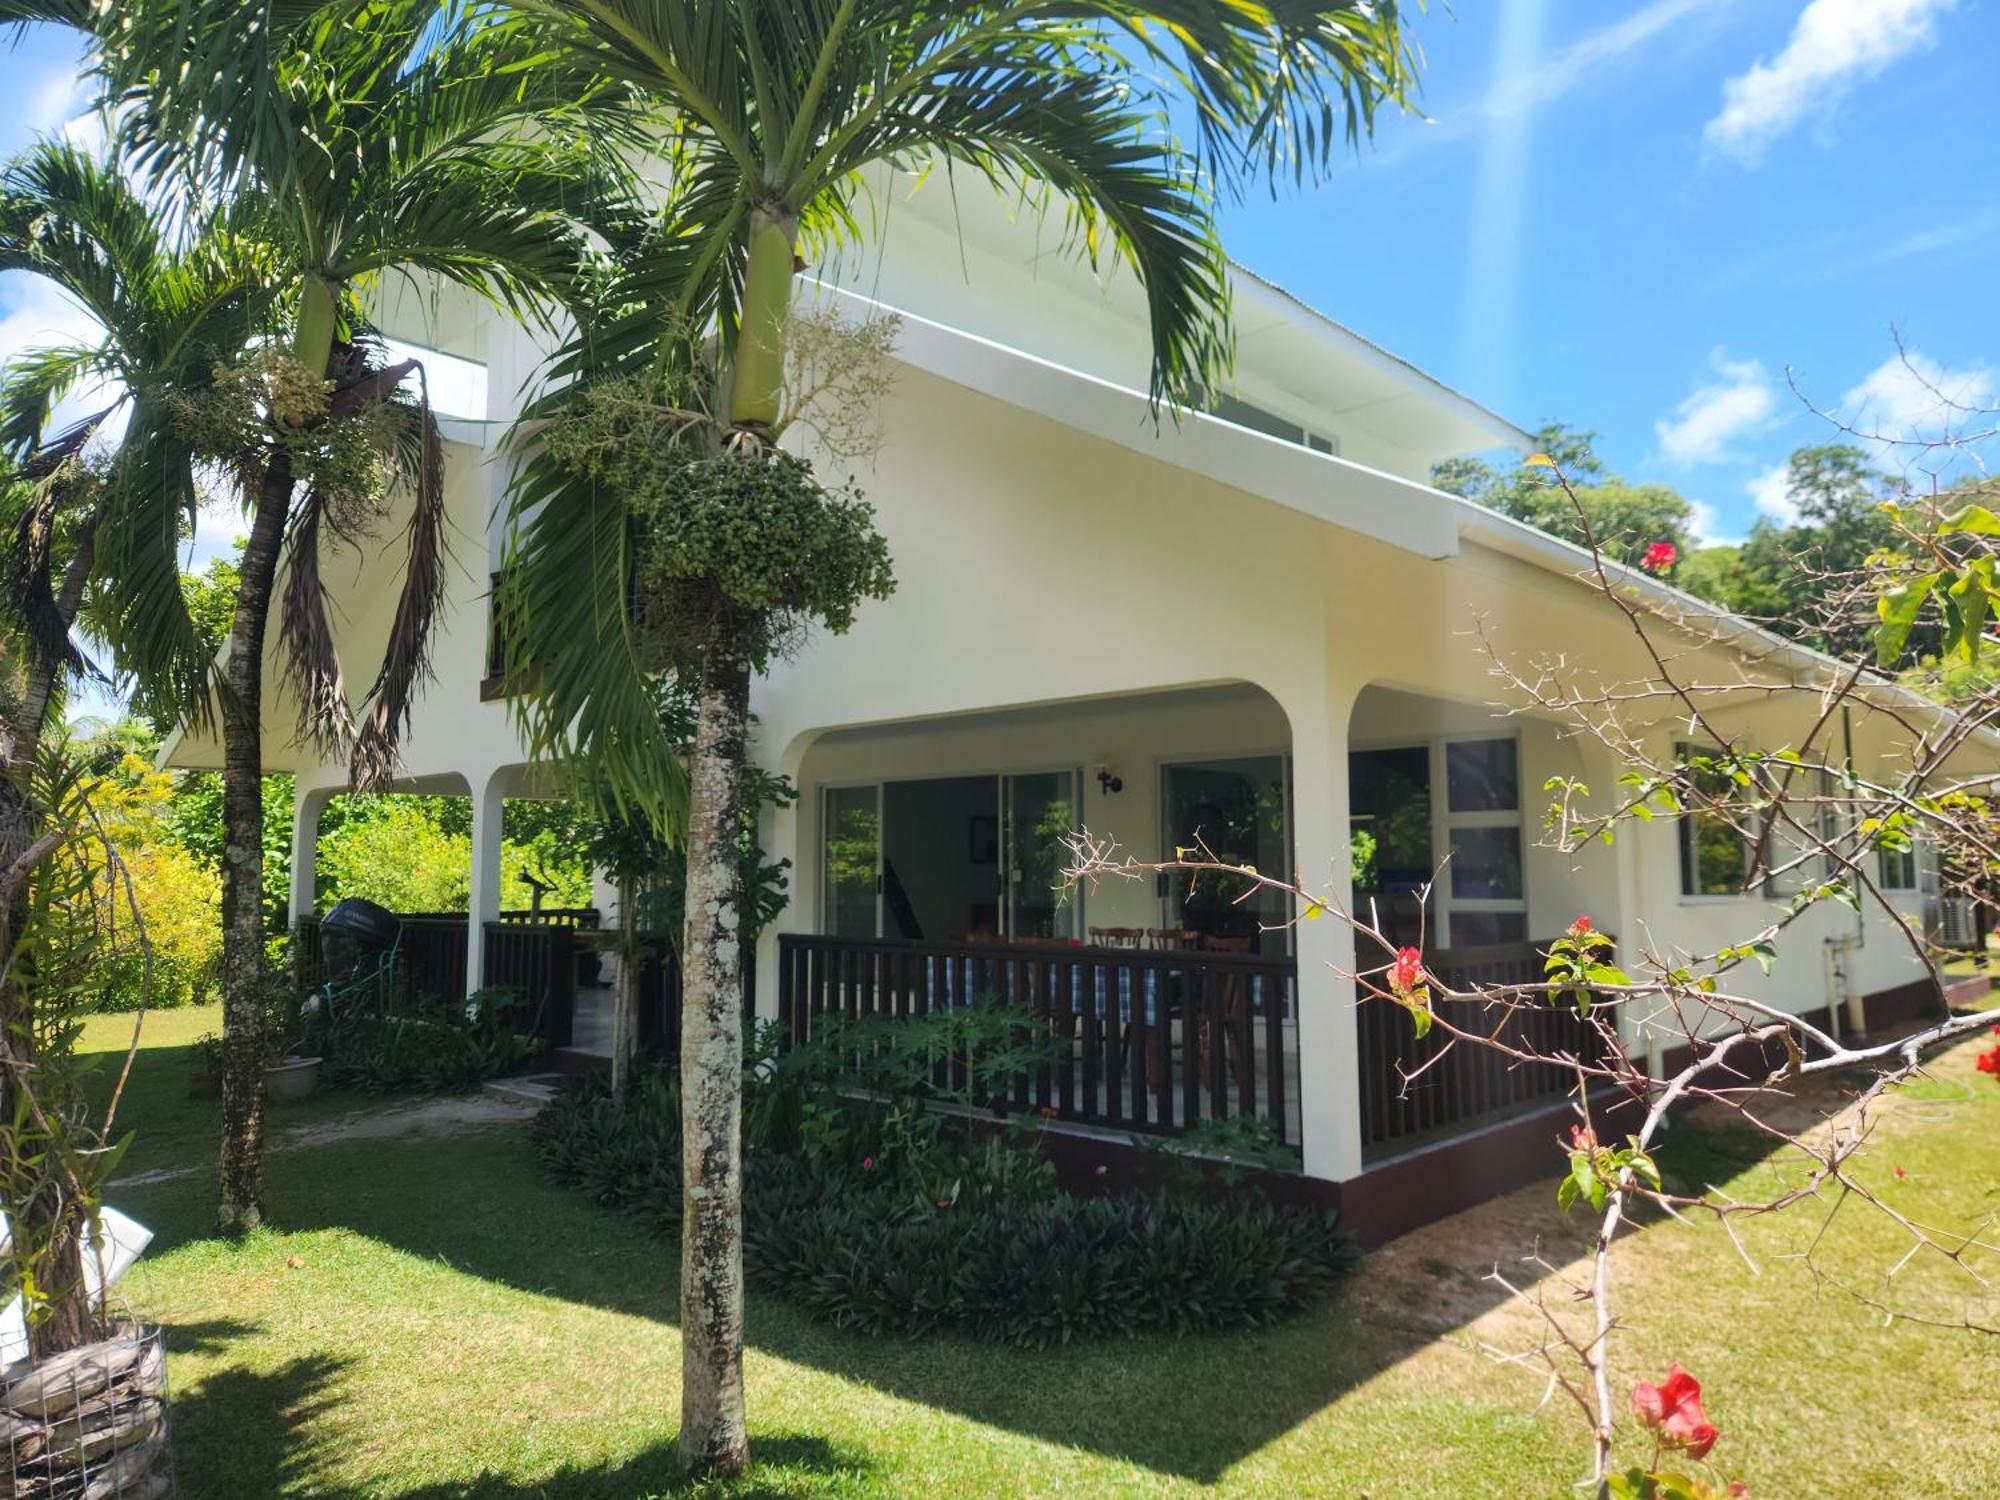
(1261, 626)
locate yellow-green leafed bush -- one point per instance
(398, 857)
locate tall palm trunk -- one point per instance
(241, 1207)
(714, 1440)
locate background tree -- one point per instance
(349, 142)
(1627, 518)
(774, 111)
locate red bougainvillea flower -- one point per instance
(1582, 1138)
(867, 1163)
(1901, 1174)
(1673, 1410)
(1406, 974)
(1582, 926)
(1989, 1062)
(1660, 557)
(1737, 1490)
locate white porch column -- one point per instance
(1329, 1071)
(307, 805)
(484, 905)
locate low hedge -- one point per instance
(870, 1258)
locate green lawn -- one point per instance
(431, 1320)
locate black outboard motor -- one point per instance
(359, 941)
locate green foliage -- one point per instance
(178, 894)
(739, 552)
(397, 1043)
(1596, 1171)
(1626, 518)
(1003, 1256)
(398, 856)
(74, 947)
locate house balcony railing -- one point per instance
(1156, 1042)
(1161, 1042)
(1406, 1104)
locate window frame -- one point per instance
(1690, 822)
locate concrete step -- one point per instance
(535, 1088)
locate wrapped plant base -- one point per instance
(89, 1423)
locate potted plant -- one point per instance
(206, 1080)
(287, 1075)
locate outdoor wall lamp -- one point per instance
(1108, 783)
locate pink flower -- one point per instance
(1582, 1138)
(1406, 974)
(1737, 1490)
(867, 1163)
(1660, 557)
(1582, 927)
(1673, 1410)
(1102, 1170)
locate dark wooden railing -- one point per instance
(539, 964)
(1152, 1041)
(537, 961)
(1472, 1085)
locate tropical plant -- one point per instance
(351, 142)
(774, 113)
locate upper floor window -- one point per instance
(1244, 414)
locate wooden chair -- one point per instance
(1118, 937)
(1172, 937)
(1232, 1007)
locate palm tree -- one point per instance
(351, 142)
(774, 110)
(165, 313)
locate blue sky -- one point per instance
(1634, 217)
(1631, 216)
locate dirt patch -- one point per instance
(432, 1117)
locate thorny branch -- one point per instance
(1814, 823)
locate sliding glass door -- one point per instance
(1237, 811)
(949, 858)
(1040, 814)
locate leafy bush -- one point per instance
(975, 1239)
(420, 1045)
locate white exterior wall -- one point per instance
(1063, 562)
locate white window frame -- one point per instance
(1443, 820)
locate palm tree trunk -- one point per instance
(243, 974)
(714, 1440)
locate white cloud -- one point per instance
(1833, 45)
(1911, 396)
(38, 316)
(1705, 525)
(1771, 493)
(1739, 400)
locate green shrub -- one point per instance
(421, 1045)
(999, 1253)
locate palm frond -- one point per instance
(305, 636)
(406, 659)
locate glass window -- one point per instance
(851, 840)
(1715, 860)
(1897, 868)
(1476, 929)
(1482, 776)
(1236, 809)
(1389, 796)
(1485, 866)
